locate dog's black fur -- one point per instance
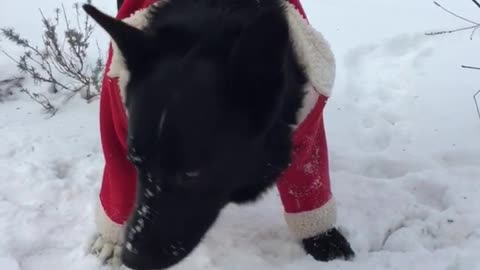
(214, 88)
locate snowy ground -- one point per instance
(404, 144)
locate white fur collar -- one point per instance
(310, 46)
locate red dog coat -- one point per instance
(304, 187)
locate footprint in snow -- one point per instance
(380, 89)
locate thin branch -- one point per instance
(35, 75)
(470, 67)
(11, 57)
(476, 3)
(71, 42)
(49, 73)
(476, 102)
(454, 14)
(452, 31)
(42, 100)
(77, 13)
(474, 27)
(473, 32)
(65, 65)
(71, 95)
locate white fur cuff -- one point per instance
(313, 51)
(311, 223)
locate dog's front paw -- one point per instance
(328, 246)
(107, 251)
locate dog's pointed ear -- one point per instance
(257, 68)
(132, 42)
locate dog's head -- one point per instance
(199, 105)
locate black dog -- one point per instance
(213, 92)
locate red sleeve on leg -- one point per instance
(305, 185)
(117, 194)
(118, 189)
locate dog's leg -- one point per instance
(106, 243)
(306, 192)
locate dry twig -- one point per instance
(62, 60)
(473, 27)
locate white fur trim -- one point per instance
(313, 51)
(311, 223)
(311, 48)
(109, 230)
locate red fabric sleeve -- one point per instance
(117, 193)
(305, 185)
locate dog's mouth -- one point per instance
(149, 244)
(167, 226)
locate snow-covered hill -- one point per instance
(404, 144)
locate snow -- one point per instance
(403, 135)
